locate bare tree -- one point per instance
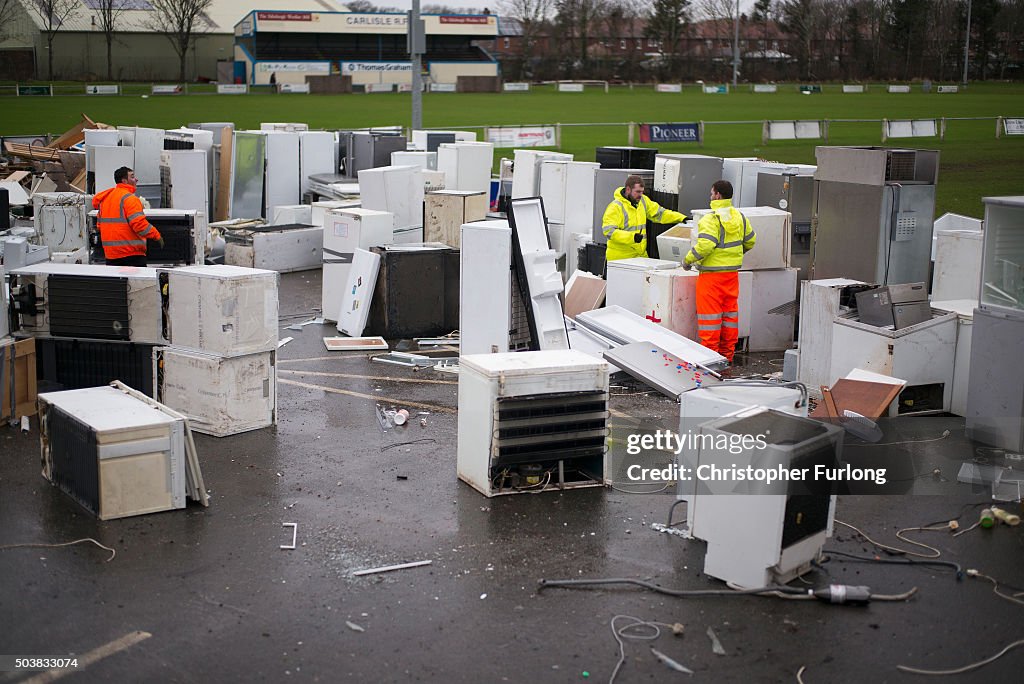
(801, 19)
(179, 20)
(762, 16)
(7, 9)
(532, 16)
(576, 21)
(361, 6)
(667, 23)
(109, 11)
(53, 14)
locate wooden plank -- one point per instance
(869, 399)
(17, 378)
(35, 152)
(224, 175)
(583, 292)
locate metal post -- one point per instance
(967, 41)
(736, 46)
(416, 45)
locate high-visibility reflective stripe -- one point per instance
(734, 243)
(708, 317)
(661, 210)
(625, 216)
(716, 326)
(731, 314)
(118, 243)
(748, 236)
(111, 220)
(730, 324)
(147, 231)
(136, 214)
(707, 236)
(695, 253)
(719, 268)
(608, 230)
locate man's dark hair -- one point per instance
(723, 188)
(633, 179)
(121, 175)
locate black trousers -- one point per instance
(137, 260)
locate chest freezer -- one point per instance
(964, 310)
(626, 281)
(532, 421)
(921, 354)
(281, 248)
(957, 272)
(87, 301)
(820, 302)
(773, 309)
(670, 300)
(220, 395)
(227, 310)
(61, 220)
(185, 233)
(773, 228)
(115, 455)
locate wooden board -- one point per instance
(74, 135)
(869, 399)
(583, 292)
(224, 175)
(17, 378)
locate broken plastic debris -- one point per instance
(354, 627)
(389, 568)
(672, 664)
(716, 645)
(483, 596)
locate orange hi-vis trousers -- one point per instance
(718, 311)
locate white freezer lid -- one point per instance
(495, 224)
(642, 264)
(835, 282)
(106, 409)
(1010, 201)
(224, 272)
(358, 211)
(525, 364)
(961, 307)
(457, 193)
(94, 270)
(173, 213)
(752, 396)
(869, 376)
(961, 233)
(415, 247)
(747, 211)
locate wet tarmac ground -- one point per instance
(215, 598)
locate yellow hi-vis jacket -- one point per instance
(723, 237)
(622, 221)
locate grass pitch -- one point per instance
(973, 162)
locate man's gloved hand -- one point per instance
(638, 237)
(687, 265)
(160, 241)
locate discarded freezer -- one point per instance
(957, 272)
(820, 302)
(417, 292)
(773, 228)
(444, 212)
(220, 395)
(226, 310)
(626, 281)
(466, 165)
(921, 354)
(964, 310)
(281, 248)
(346, 230)
(114, 454)
(532, 421)
(669, 298)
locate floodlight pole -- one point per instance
(417, 43)
(967, 41)
(736, 46)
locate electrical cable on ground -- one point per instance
(995, 587)
(425, 440)
(620, 634)
(945, 434)
(799, 674)
(54, 546)
(903, 552)
(896, 561)
(965, 668)
(671, 509)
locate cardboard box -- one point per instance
(17, 378)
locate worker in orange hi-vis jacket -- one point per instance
(724, 236)
(122, 222)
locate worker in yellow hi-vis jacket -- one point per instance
(625, 220)
(724, 236)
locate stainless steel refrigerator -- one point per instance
(874, 210)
